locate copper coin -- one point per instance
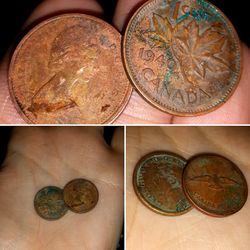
(215, 185)
(183, 57)
(158, 183)
(49, 203)
(80, 195)
(68, 69)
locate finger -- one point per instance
(124, 11)
(47, 8)
(118, 140)
(236, 110)
(54, 7)
(138, 111)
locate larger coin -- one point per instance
(80, 195)
(68, 69)
(183, 57)
(215, 185)
(158, 183)
(49, 203)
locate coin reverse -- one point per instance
(215, 185)
(183, 57)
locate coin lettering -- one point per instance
(60, 72)
(158, 183)
(215, 185)
(199, 56)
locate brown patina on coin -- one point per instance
(183, 57)
(157, 182)
(215, 185)
(49, 203)
(68, 69)
(80, 195)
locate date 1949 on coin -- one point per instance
(183, 57)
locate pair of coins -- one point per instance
(183, 57)
(79, 196)
(170, 185)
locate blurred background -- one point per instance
(15, 12)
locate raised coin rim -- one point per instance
(141, 198)
(192, 201)
(81, 179)
(127, 96)
(168, 109)
(41, 215)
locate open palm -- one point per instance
(148, 230)
(39, 157)
(236, 110)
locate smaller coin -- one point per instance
(49, 203)
(215, 185)
(80, 195)
(158, 183)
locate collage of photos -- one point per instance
(124, 125)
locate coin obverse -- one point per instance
(215, 185)
(68, 69)
(157, 182)
(80, 195)
(183, 57)
(49, 203)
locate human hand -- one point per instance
(146, 229)
(38, 157)
(236, 110)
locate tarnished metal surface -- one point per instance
(215, 185)
(158, 183)
(68, 69)
(80, 195)
(184, 57)
(49, 203)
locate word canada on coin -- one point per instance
(68, 69)
(183, 57)
(158, 183)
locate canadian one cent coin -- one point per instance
(183, 57)
(49, 203)
(68, 69)
(80, 195)
(158, 183)
(215, 185)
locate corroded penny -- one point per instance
(158, 183)
(183, 57)
(80, 195)
(215, 185)
(68, 69)
(49, 203)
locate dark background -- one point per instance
(13, 13)
(5, 134)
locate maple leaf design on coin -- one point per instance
(198, 52)
(192, 53)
